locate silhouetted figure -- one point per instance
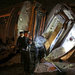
(26, 54)
(20, 41)
(21, 45)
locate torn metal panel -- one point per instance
(57, 25)
(67, 45)
(69, 41)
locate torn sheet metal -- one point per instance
(54, 28)
(57, 24)
(67, 44)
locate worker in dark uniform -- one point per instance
(20, 44)
(26, 54)
(20, 40)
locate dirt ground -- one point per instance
(18, 69)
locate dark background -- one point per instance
(47, 4)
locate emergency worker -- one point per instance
(21, 45)
(20, 41)
(26, 54)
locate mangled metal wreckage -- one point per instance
(56, 36)
(60, 40)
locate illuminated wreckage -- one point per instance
(59, 39)
(57, 36)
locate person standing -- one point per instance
(21, 45)
(20, 40)
(26, 54)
